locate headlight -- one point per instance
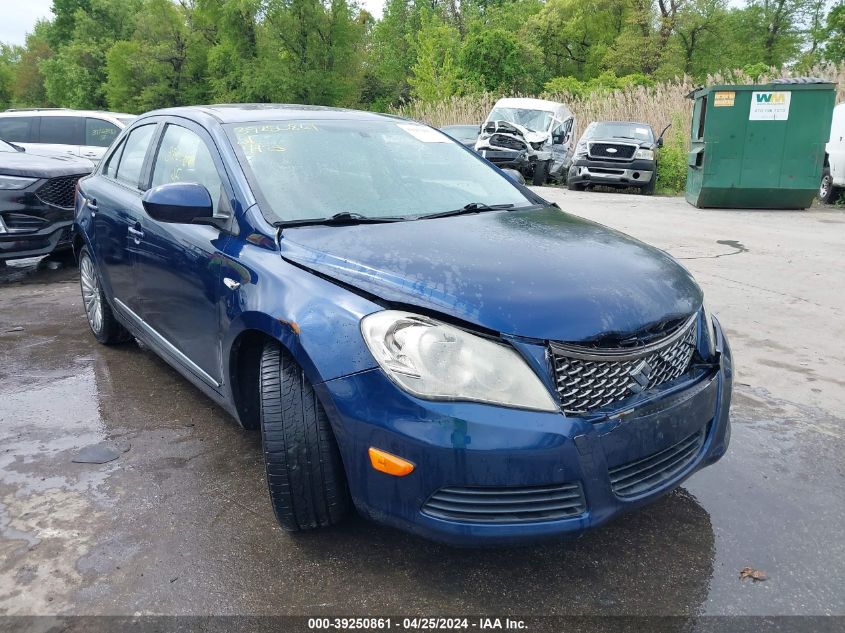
(15, 182)
(436, 361)
(645, 154)
(709, 329)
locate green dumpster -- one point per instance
(759, 146)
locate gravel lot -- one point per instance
(181, 522)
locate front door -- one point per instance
(178, 265)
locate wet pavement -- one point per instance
(180, 523)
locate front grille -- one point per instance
(501, 140)
(22, 223)
(507, 505)
(587, 379)
(612, 151)
(646, 474)
(58, 192)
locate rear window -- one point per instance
(61, 130)
(100, 133)
(16, 129)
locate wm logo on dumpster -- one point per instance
(770, 97)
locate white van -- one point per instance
(833, 175)
(59, 131)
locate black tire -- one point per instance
(104, 326)
(828, 192)
(574, 186)
(304, 471)
(648, 188)
(541, 173)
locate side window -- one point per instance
(132, 156)
(110, 168)
(61, 130)
(16, 129)
(184, 157)
(100, 133)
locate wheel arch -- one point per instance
(244, 358)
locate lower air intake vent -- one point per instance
(646, 474)
(507, 505)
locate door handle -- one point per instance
(136, 234)
(231, 284)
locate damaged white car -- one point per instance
(532, 136)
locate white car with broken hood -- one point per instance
(532, 136)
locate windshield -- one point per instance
(316, 169)
(535, 120)
(635, 131)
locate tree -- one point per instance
(29, 80)
(75, 76)
(436, 74)
(495, 60)
(149, 70)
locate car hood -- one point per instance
(29, 165)
(541, 274)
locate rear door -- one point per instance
(99, 135)
(179, 265)
(60, 135)
(116, 199)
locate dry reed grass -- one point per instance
(659, 105)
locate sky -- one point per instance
(19, 16)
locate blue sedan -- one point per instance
(413, 333)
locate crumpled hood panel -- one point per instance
(540, 274)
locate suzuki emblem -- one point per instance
(640, 374)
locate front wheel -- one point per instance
(648, 188)
(304, 471)
(541, 173)
(101, 319)
(828, 192)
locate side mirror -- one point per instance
(660, 138)
(178, 202)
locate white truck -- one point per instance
(833, 174)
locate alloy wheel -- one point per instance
(91, 296)
(824, 188)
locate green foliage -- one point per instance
(672, 160)
(140, 54)
(435, 75)
(605, 83)
(495, 60)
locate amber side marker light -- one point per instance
(384, 462)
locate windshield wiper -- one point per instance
(339, 219)
(472, 207)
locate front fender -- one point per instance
(316, 320)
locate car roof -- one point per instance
(248, 112)
(640, 123)
(558, 109)
(66, 112)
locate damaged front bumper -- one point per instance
(571, 473)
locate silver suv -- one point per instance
(59, 131)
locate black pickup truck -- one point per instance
(616, 154)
